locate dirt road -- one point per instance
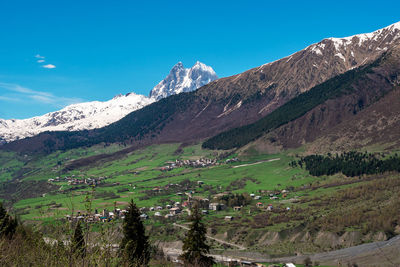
(213, 238)
(255, 163)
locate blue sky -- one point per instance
(95, 50)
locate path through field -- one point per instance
(255, 163)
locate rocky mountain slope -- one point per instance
(96, 114)
(181, 80)
(233, 101)
(359, 105)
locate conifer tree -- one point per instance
(78, 241)
(134, 247)
(8, 225)
(195, 247)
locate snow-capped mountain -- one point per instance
(181, 80)
(96, 114)
(88, 115)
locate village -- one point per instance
(199, 163)
(73, 180)
(176, 209)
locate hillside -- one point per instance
(229, 102)
(323, 107)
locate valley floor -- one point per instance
(256, 202)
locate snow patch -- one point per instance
(340, 56)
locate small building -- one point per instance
(259, 205)
(228, 218)
(289, 265)
(257, 197)
(169, 216)
(237, 208)
(252, 195)
(216, 206)
(157, 213)
(175, 210)
(270, 207)
(144, 216)
(204, 211)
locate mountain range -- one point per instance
(325, 85)
(97, 114)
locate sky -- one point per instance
(55, 53)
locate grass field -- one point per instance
(141, 170)
(135, 174)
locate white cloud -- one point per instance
(40, 61)
(39, 56)
(8, 99)
(49, 66)
(20, 93)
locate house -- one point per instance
(257, 197)
(144, 216)
(228, 218)
(200, 182)
(259, 205)
(237, 208)
(270, 207)
(216, 206)
(159, 208)
(204, 211)
(252, 195)
(157, 213)
(289, 265)
(169, 216)
(175, 210)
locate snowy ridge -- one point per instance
(181, 80)
(373, 40)
(88, 115)
(96, 114)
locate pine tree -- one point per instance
(78, 241)
(134, 248)
(8, 225)
(195, 247)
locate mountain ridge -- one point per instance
(97, 114)
(237, 100)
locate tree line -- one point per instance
(351, 164)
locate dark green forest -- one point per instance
(350, 164)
